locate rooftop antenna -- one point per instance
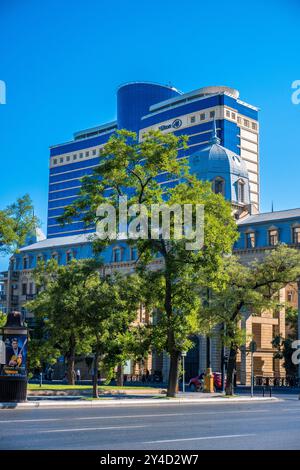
(215, 139)
(272, 208)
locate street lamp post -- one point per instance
(209, 378)
(253, 347)
(223, 359)
(183, 355)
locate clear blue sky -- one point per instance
(62, 61)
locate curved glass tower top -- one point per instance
(134, 100)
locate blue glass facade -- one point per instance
(141, 106)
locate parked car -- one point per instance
(196, 384)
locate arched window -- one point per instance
(219, 186)
(25, 262)
(117, 255)
(133, 253)
(69, 256)
(39, 258)
(250, 239)
(273, 236)
(296, 235)
(56, 256)
(241, 191)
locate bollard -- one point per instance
(263, 391)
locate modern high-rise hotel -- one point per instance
(145, 106)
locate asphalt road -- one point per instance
(167, 427)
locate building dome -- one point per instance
(218, 164)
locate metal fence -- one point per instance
(288, 381)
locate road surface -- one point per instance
(162, 427)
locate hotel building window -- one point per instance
(246, 122)
(239, 120)
(68, 158)
(202, 116)
(212, 114)
(75, 157)
(55, 161)
(193, 119)
(219, 186)
(290, 296)
(254, 126)
(55, 256)
(87, 154)
(273, 237)
(232, 115)
(61, 160)
(250, 240)
(24, 289)
(117, 255)
(296, 235)
(227, 113)
(25, 263)
(241, 191)
(94, 152)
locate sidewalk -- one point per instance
(181, 398)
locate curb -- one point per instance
(126, 402)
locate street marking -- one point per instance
(106, 428)
(226, 436)
(132, 416)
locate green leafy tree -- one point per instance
(2, 319)
(284, 344)
(16, 222)
(60, 306)
(110, 307)
(130, 168)
(250, 288)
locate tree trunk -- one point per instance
(229, 389)
(71, 362)
(120, 375)
(71, 368)
(173, 374)
(95, 376)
